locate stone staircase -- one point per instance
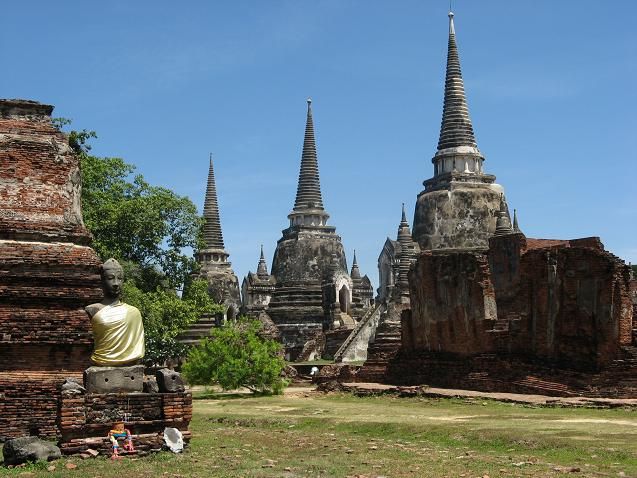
(199, 330)
(543, 387)
(367, 320)
(384, 347)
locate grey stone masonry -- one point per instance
(460, 203)
(114, 379)
(313, 290)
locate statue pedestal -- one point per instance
(114, 379)
(84, 420)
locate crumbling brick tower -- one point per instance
(48, 272)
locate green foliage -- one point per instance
(237, 356)
(165, 316)
(146, 226)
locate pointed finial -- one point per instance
(308, 193)
(515, 221)
(456, 128)
(404, 217)
(262, 267)
(355, 273)
(212, 235)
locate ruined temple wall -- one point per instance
(564, 320)
(452, 304)
(48, 274)
(39, 177)
(566, 303)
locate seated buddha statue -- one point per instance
(118, 330)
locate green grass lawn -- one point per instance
(307, 434)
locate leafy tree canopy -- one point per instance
(237, 356)
(144, 226)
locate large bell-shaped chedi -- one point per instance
(313, 288)
(459, 205)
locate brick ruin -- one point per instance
(48, 274)
(528, 316)
(84, 421)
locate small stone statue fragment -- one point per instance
(169, 381)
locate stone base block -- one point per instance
(169, 381)
(114, 379)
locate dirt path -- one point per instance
(379, 388)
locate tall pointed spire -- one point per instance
(308, 193)
(456, 128)
(356, 273)
(212, 226)
(262, 268)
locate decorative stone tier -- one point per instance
(298, 314)
(85, 420)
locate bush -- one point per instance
(237, 356)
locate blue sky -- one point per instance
(550, 85)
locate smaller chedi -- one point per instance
(118, 330)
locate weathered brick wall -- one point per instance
(48, 274)
(528, 315)
(39, 177)
(85, 420)
(569, 304)
(452, 304)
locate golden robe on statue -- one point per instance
(119, 335)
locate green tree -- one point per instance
(166, 315)
(145, 227)
(237, 356)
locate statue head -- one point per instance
(112, 279)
